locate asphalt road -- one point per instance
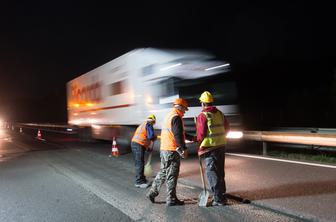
(70, 181)
(32, 189)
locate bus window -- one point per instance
(168, 87)
(148, 70)
(117, 88)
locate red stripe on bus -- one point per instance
(105, 108)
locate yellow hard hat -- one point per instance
(181, 102)
(206, 97)
(151, 117)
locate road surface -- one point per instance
(64, 180)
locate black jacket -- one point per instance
(177, 129)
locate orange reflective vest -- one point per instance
(167, 137)
(140, 135)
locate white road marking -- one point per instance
(282, 160)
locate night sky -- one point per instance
(283, 54)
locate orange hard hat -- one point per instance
(181, 102)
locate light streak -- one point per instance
(170, 67)
(217, 67)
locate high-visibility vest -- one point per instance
(167, 137)
(216, 130)
(140, 135)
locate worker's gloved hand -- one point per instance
(200, 151)
(183, 152)
(150, 147)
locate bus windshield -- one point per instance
(222, 86)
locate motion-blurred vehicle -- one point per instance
(111, 100)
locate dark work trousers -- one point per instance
(214, 167)
(139, 159)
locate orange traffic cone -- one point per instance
(39, 135)
(115, 149)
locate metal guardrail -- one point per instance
(65, 129)
(306, 138)
(320, 139)
(46, 125)
(304, 130)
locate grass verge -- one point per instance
(320, 158)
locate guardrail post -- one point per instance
(264, 153)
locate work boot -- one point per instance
(175, 202)
(219, 203)
(151, 197)
(142, 185)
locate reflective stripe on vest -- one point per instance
(167, 137)
(140, 135)
(216, 130)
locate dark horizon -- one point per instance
(283, 55)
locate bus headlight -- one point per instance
(234, 135)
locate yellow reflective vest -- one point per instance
(216, 130)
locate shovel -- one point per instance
(148, 171)
(204, 195)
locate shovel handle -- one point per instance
(150, 154)
(200, 163)
(149, 160)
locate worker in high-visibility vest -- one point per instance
(211, 130)
(143, 137)
(172, 149)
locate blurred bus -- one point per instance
(113, 99)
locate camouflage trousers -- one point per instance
(169, 172)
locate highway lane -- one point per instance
(33, 190)
(7, 149)
(296, 189)
(78, 182)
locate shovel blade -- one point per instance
(148, 171)
(203, 198)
